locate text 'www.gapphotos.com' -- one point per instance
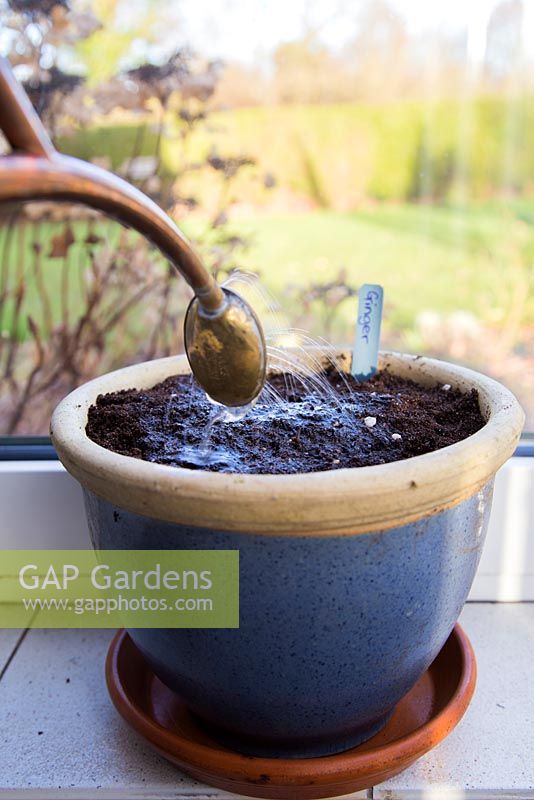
(120, 604)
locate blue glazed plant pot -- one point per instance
(350, 581)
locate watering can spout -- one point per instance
(34, 170)
(51, 175)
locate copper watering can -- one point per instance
(223, 337)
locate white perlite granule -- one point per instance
(446, 387)
(396, 436)
(370, 422)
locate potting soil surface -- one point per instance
(296, 426)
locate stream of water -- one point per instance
(287, 354)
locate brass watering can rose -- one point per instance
(226, 349)
(223, 337)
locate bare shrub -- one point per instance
(78, 294)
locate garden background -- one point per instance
(361, 149)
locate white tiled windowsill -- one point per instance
(60, 736)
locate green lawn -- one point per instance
(427, 258)
(63, 278)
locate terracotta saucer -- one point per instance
(424, 717)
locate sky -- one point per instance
(249, 30)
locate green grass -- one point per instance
(63, 278)
(427, 258)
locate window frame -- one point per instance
(40, 448)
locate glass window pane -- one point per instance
(316, 145)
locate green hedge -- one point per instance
(340, 155)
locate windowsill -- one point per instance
(86, 751)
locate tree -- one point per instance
(104, 53)
(380, 53)
(504, 46)
(307, 72)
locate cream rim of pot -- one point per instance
(337, 502)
